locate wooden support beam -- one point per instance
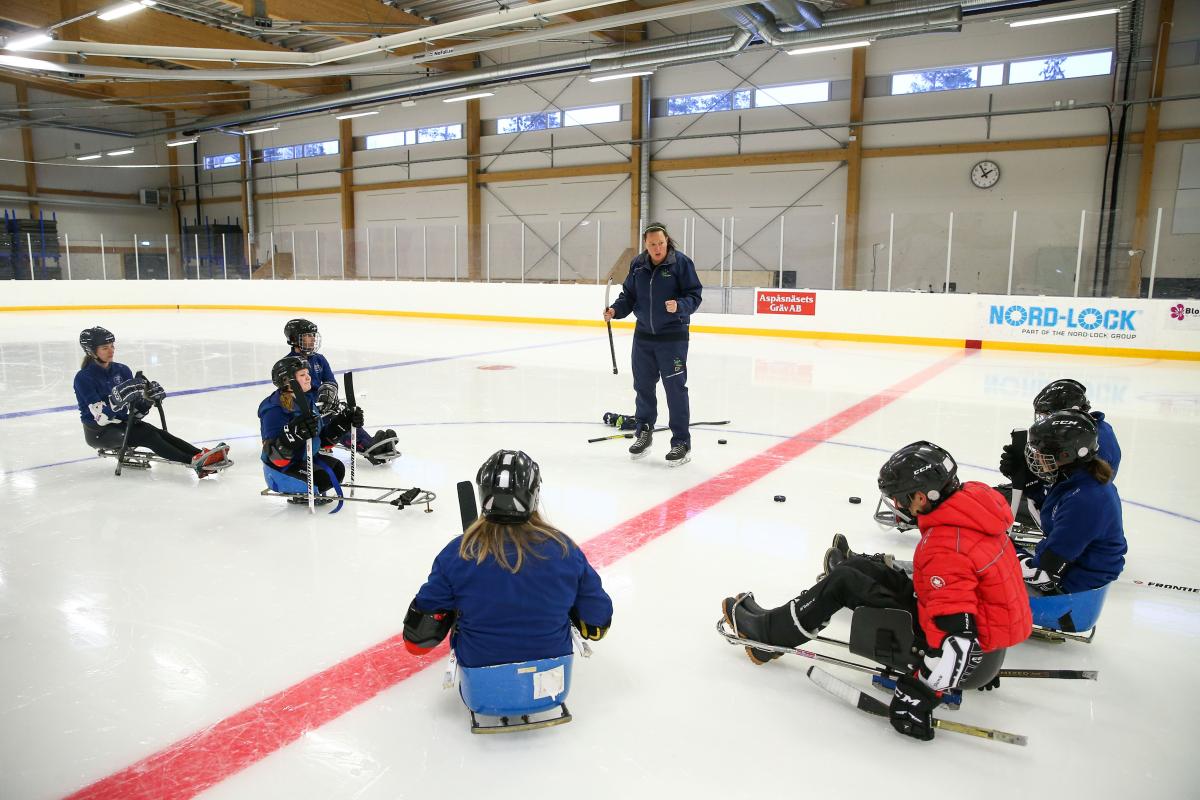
(548, 173)
(474, 196)
(346, 192)
(1141, 212)
(636, 131)
(27, 153)
(956, 148)
(453, 180)
(854, 150)
(828, 154)
(627, 33)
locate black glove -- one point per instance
(994, 683)
(356, 417)
(327, 398)
(1012, 461)
(586, 630)
(155, 391)
(304, 427)
(126, 392)
(140, 407)
(912, 708)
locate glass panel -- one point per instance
(1044, 261)
(439, 133)
(304, 244)
(792, 94)
(935, 80)
(919, 259)
(981, 242)
(439, 240)
(391, 139)
(592, 116)
(1053, 68)
(710, 101)
(529, 122)
(991, 75)
(223, 160)
(808, 249)
(504, 250)
(579, 250)
(541, 258)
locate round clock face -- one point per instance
(985, 174)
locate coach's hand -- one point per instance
(672, 306)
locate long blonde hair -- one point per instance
(486, 538)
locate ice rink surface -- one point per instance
(161, 637)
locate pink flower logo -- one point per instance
(1177, 312)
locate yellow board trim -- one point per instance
(871, 338)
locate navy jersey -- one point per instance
(1109, 450)
(272, 417)
(318, 369)
(93, 385)
(648, 287)
(505, 617)
(1081, 518)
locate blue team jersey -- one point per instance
(318, 369)
(1108, 448)
(93, 385)
(1081, 518)
(505, 617)
(272, 417)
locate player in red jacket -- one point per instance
(966, 594)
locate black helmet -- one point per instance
(295, 329)
(1058, 440)
(91, 338)
(918, 467)
(285, 369)
(1061, 395)
(509, 482)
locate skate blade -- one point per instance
(639, 456)
(680, 462)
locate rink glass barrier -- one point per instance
(1060, 253)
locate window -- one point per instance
(393, 139)
(291, 151)
(711, 101)
(529, 122)
(439, 133)
(935, 80)
(1053, 68)
(991, 75)
(592, 116)
(792, 94)
(223, 160)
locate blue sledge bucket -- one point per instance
(517, 691)
(1075, 612)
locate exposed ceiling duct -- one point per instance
(769, 29)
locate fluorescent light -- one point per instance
(119, 10)
(181, 142)
(20, 62)
(252, 131)
(1103, 12)
(824, 48)
(462, 97)
(88, 158)
(619, 75)
(124, 152)
(29, 41)
(353, 114)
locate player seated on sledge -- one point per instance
(1063, 394)
(511, 586)
(286, 424)
(1084, 544)
(965, 596)
(108, 393)
(305, 341)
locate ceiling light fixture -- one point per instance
(124, 152)
(252, 131)
(1103, 12)
(88, 158)
(124, 9)
(29, 41)
(462, 97)
(619, 75)
(353, 114)
(181, 142)
(825, 48)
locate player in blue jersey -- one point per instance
(109, 395)
(511, 586)
(305, 341)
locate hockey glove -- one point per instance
(1040, 579)
(327, 398)
(424, 630)
(960, 653)
(126, 392)
(912, 708)
(356, 417)
(593, 632)
(155, 391)
(301, 428)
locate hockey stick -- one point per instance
(656, 430)
(864, 702)
(300, 397)
(350, 405)
(612, 350)
(129, 418)
(466, 504)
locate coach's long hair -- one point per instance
(486, 538)
(658, 226)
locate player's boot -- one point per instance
(679, 455)
(748, 620)
(842, 545)
(641, 444)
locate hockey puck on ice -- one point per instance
(779, 498)
(855, 500)
(721, 441)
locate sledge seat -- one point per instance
(517, 691)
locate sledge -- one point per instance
(1061, 617)
(521, 696)
(280, 484)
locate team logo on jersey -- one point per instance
(666, 273)
(937, 582)
(679, 365)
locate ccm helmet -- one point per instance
(1058, 440)
(509, 483)
(918, 467)
(296, 330)
(1061, 395)
(91, 338)
(285, 369)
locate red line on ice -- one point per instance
(193, 764)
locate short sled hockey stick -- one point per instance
(630, 435)
(612, 350)
(299, 396)
(353, 431)
(129, 417)
(466, 504)
(871, 705)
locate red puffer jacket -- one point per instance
(965, 563)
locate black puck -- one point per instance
(855, 500)
(721, 441)
(779, 498)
